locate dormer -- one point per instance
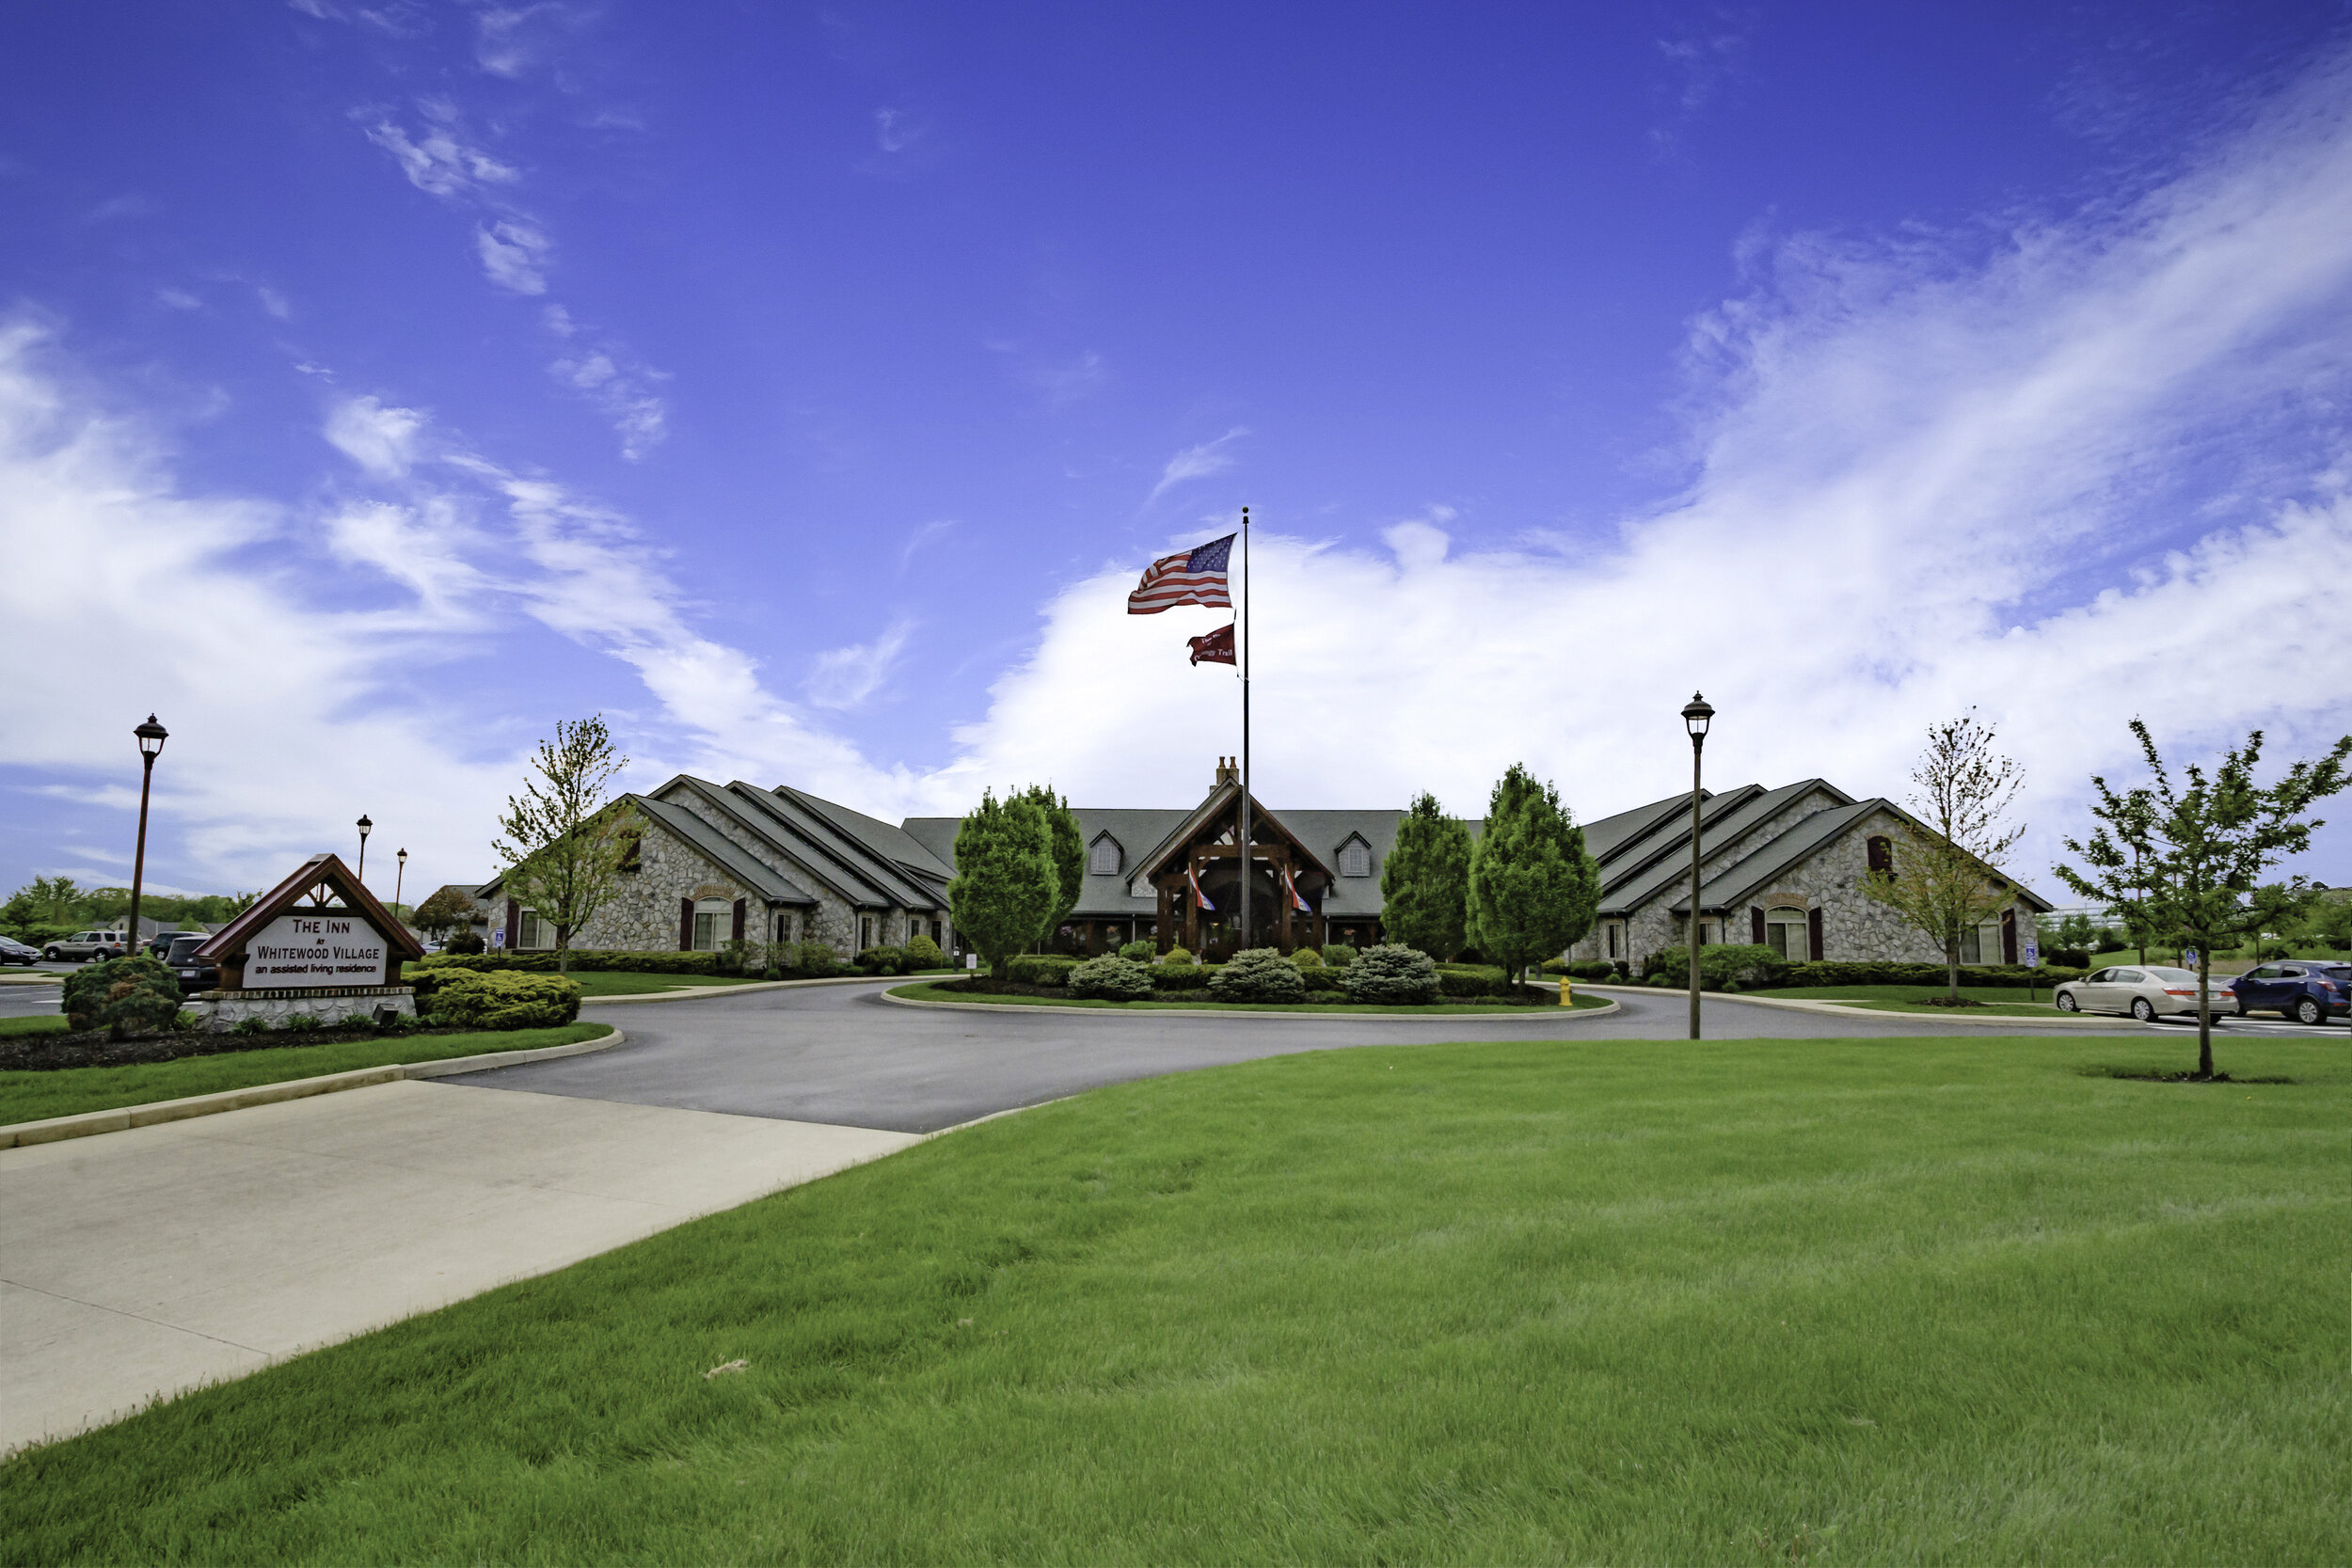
(1106, 856)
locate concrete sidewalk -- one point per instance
(157, 1260)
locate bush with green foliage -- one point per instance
(1592, 969)
(1258, 974)
(1040, 968)
(1324, 980)
(133, 995)
(1424, 880)
(884, 960)
(1307, 959)
(251, 1026)
(472, 1001)
(1008, 884)
(1111, 978)
(812, 960)
(1392, 974)
(1141, 951)
(923, 953)
(1724, 965)
(465, 944)
(1182, 976)
(301, 1023)
(1178, 957)
(1533, 888)
(1475, 980)
(1337, 955)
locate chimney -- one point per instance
(1228, 771)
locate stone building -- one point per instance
(1781, 868)
(712, 864)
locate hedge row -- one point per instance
(586, 958)
(478, 1001)
(1750, 968)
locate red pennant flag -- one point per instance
(1214, 647)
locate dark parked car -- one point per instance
(195, 973)
(2307, 991)
(15, 952)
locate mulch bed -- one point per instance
(91, 1048)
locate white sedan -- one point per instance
(2143, 990)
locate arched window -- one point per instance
(1784, 933)
(1106, 857)
(1881, 854)
(1354, 857)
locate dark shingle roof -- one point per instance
(725, 853)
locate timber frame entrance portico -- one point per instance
(1205, 849)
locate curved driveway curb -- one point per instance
(686, 993)
(1840, 1009)
(122, 1116)
(1318, 1014)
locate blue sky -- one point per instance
(803, 389)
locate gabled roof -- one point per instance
(724, 853)
(1224, 797)
(896, 845)
(830, 840)
(1723, 823)
(328, 872)
(1612, 835)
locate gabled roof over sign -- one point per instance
(320, 872)
(1223, 799)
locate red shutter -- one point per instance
(685, 924)
(2009, 935)
(1756, 926)
(1813, 934)
(738, 919)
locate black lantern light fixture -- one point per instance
(1696, 716)
(152, 736)
(366, 827)
(399, 877)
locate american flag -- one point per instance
(1215, 647)
(1297, 902)
(1196, 577)
(1198, 896)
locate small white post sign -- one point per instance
(313, 950)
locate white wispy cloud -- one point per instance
(849, 677)
(381, 439)
(615, 384)
(437, 161)
(1209, 457)
(514, 255)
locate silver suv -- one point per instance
(83, 946)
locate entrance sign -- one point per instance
(313, 950)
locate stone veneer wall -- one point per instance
(833, 921)
(642, 915)
(219, 1011)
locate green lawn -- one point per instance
(44, 1023)
(934, 993)
(629, 982)
(1748, 1302)
(2001, 1000)
(69, 1091)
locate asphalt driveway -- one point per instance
(842, 1054)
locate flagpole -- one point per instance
(1248, 861)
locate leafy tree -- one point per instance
(1068, 848)
(563, 841)
(2074, 933)
(1533, 889)
(1425, 881)
(447, 911)
(1007, 886)
(2331, 923)
(2195, 851)
(1946, 880)
(55, 900)
(2279, 907)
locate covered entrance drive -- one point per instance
(1204, 854)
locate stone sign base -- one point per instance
(221, 1010)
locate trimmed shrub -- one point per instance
(465, 943)
(1591, 969)
(1324, 981)
(923, 953)
(1391, 975)
(1111, 978)
(1258, 974)
(813, 960)
(1840, 973)
(1042, 969)
(1723, 966)
(133, 995)
(1141, 951)
(1178, 956)
(1337, 955)
(884, 960)
(505, 1001)
(585, 959)
(1307, 959)
(1181, 976)
(1472, 980)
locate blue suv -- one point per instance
(2305, 990)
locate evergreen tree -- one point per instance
(1007, 886)
(1069, 852)
(1425, 881)
(1533, 889)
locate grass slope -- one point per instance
(934, 993)
(69, 1091)
(1640, 1301)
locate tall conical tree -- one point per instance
(1004, 889)
(1425, 881)
(1067, 849)
(1533, 889)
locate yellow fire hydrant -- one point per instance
(1567, 993)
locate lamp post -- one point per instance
(151, 737)
(399, 877)
(364, 827)
(1695, 717)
